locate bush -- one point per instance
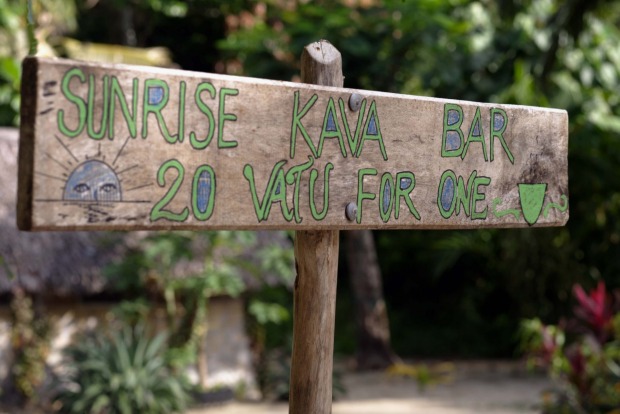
(124, 371)
(581, 355)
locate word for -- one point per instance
(155, 97)
(392, 190)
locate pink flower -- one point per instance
(594, 309)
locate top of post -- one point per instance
(321, 64)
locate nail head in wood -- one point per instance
(351, 211)
(355, 101)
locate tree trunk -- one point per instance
(373, 330)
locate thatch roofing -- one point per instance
(71, 263)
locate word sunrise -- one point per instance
(124, 147)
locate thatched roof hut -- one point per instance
(61, 264)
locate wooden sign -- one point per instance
(122, 147)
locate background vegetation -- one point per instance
(449, 293)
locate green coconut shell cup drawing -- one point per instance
(532, 197)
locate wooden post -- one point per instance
(316, 259)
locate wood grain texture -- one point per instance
(316, 261)
(321, 64)
(126, 147)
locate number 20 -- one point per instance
(203, 193)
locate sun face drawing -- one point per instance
(95, 183)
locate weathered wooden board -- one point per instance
(121, 147)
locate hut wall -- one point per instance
(228, 354)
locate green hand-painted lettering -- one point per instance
(194, 141)
(477, 196)
(361, 195)
(387, 181)
(405, 194)
(262, 208)
(313, 176)
(331, 130)
(181, 118)
(499, 133)
(158, 211)
(352, 140)
(444, 192)
(130, 118)
(223, 117)
(90, 115)
(79, 103)
(374, 135)
(296, 123)
(463, 195)
(200, 215)
(474, 136)
(451, 125)
(293, 176)
(150, 85)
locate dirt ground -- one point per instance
(475, 388)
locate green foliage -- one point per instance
(384, 46)
(32, 40)
(151, 267)
(151, 264)
(10, 73)
(586, 366)
(121, 371)
(479, 284)
(11, 14)
(22, 25)
(157, 269)
(549, 53)
(30, 336)
(132, 312)
(268, 312)
(276, 261)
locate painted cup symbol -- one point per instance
(532, 197)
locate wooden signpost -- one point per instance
(112, 147)
(117, 147)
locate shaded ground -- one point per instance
(475, 387)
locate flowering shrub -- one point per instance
(582, 355)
